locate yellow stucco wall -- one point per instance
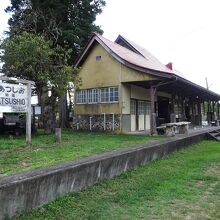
(126, 97)
(105, 73)
(94, 109)
(129, 75)
(140, 93)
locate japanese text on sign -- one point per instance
(13, 97)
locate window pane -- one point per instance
(147, 111)
(113, 94)
(84, 94)
(78, 97)
(104, 95)
(141, 107)
(95, 95)
(81, 96)
(89, 93)
(133, 107)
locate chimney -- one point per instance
(170, 66)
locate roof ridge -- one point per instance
(141, 50)
(124, 48)
(135, 45)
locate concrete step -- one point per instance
(214, 135)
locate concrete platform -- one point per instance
(192, 130)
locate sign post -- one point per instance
(16, 98)
(28, 115)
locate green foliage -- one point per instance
(184, 185)
(65, 22)
(26, 56)
(32, 57)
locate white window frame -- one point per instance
(89, 96)
(81, 96)
(115, 91)
(106, 100)
(93, 96)
(96, 95)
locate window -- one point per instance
(81, 96)
(133, 107)
(147, 111)
(93, 95)
(109, 94)
(104, 94)
(98, 58)
(113, 94)
(141, 107)
(89, 94)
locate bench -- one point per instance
(170, 129)
(161, 129)
(215, 123)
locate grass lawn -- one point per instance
(16, 157)
(184, 185)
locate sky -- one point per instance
(184, 32)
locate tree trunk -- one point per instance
(50, 115)
(42, 97)
(63, 110)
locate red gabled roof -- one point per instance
(128, 56)
(147, 62)
(153, 62)
(146, 54)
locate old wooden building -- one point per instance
(126, 88)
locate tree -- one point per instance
(66, 23)
(27, 57)
(31, 57)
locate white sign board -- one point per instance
(36, 110)
(13, 97)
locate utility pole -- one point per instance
(207, 85)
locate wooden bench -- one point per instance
(170, 129)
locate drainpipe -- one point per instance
(153, 90)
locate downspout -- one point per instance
(153, 90)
